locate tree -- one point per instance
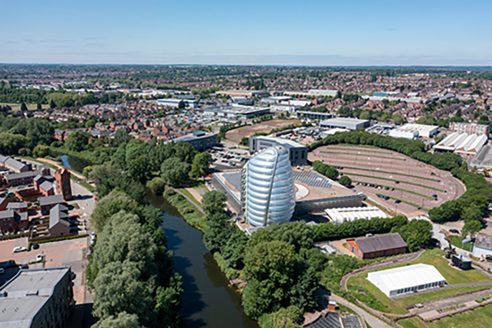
(471, 227)
(109, 205)
(112, 288)
(77, 141)
(52, 104)
(156, 185)
(417, 234)
(168, 302)
(122, 320)
(11, 143)
(217, 231)
(472, 213)
(184, 151)
(200, 165)
(41, 151)
(283, 318)
(39, 106)
(175, 172)
(23, 107)
(270, 270)
(213, 202)
(345, 181)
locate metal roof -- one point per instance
(380, 242)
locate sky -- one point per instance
(266, 32)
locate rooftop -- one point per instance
(380, 242)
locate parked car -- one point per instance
(454, 231)
(18, 249)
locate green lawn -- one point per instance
(456, 241)
(478, 318)
(361, 288)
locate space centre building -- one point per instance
(268, 191)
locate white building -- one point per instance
(344, 123)
(406, 279)
(349, 214)
(462, 143)
(482, 246)
(413, 131)
(174, 103)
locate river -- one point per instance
(207, 300)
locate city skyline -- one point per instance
(311, 33)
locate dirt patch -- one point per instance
(264, 127)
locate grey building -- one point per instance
(313, 115)
(345, 123)
(37, 298)
(200, 140)
(297, 152)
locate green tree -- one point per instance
(109, 205)
(200, 165)
(417, 234)
(175, 172)
(10, 143)
(472, 227)
(122, 320)
(23, 107)
(345, 181)
(283, 318)
(52, 104)
(213, 202)
(41, 151)
(77, 141)
(156, 185)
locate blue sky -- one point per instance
(301, 32)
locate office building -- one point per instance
(406, 279)
(200, 140)
(344, 123)
(470, 128)
(37, 298)
(268, 192)
(297, 152)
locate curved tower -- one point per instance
(268, 192)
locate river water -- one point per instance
(207, 300)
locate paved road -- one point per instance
(372, 320)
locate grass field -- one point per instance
(373, 297)
(456, 241)
(478, 318)
(16, 107)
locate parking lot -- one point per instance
(395, 181)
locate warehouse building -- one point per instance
(349, 214)
(344, 123)
(407, 279)
(297, 152)
(176, 103)
(243, 93)
(377, 246)
(414, 131)
(464, 144)
(483, 160)
(316, 116)
(37, 298)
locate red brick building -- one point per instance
(63, 186)
(377, 246)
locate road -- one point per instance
(372, 320)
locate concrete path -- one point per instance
(372, 320)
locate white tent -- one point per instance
(407, 279)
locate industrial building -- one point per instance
(314, 192)
(483, 160)
(243, 93)
(377, 246)
(407, 279)
(317, 116)
(414, 131)
(14, 165)
(349, 214)
(235, 111)
(344, 123)
(267, 184)
(470, 128)
(37, 298)
(175, 102)
(200, 140)
(464, 144)
(482, 246)
(313, 93)
(297, 152)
